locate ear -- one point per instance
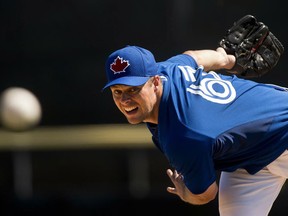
(156, 82)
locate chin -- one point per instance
(134, 121)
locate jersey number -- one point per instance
(213, 88)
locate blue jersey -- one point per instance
(209, 122)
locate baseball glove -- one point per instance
(255, 48)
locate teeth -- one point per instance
(128, 109)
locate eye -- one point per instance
(116, 92)
(134, 90)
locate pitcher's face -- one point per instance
(137, 103)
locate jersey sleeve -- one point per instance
(194, 161)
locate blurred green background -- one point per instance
(57, 49)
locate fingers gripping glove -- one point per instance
(255, 48)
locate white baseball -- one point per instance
(19, 109)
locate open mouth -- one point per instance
(131, 110)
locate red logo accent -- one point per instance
(119, 65)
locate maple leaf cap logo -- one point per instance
(119, 65)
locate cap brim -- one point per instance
(128, 80)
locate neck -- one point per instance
(155, 113)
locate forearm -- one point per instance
(212, 59)
(199, 199)
(186, 195)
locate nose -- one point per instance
(125, 98)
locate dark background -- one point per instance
(58, 48)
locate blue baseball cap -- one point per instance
(131, 65)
